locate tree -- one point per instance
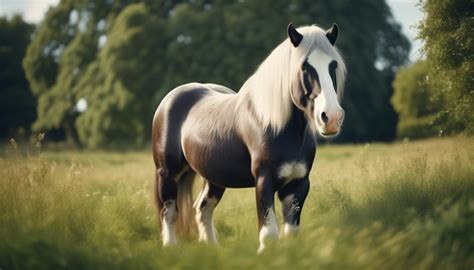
(17, 104)
(448, 30)
(66, 48)
(43, 63)
(413, 102)
(120, 102)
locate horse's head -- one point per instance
(319, 74)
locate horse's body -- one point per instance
(231, 142)
(200, 141)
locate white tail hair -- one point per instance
(185, 219)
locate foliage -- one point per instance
(414, 103)
(122, 57)
(447, 31)
(15, 34)
(64, 47)
(402, 206)
(119, 101)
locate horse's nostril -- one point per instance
(324, 117)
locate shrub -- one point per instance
(414, 102)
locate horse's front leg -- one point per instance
(267, 224)
(292, 197)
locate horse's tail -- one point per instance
(159, 203)
(185, 219)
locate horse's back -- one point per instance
(219, 88)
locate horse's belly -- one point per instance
(223, 163)
(234, 176)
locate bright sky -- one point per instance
(406, 12)
(32, 10)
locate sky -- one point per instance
(406, 12)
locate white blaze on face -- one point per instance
(326, 102)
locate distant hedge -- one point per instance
(417, 110)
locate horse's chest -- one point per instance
(292, 159)
(292, 170)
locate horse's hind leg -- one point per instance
(166, 198)
(205, 205)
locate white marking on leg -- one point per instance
(292, 170)
(269, 230)
(168, 233)
(207, 232)
(294, 207)
(290, 229)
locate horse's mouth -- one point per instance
(329, 133)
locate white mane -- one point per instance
(269, 88)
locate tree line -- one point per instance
(435, 96)
(98, 69)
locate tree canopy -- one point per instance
(15, 34)
(448, 31)
(121, 57)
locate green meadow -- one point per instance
(406, 205)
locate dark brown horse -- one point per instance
(263, 137)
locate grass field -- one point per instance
(407, 205)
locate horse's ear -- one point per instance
(294, 36)
(332, 33)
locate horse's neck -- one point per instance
(298, 122)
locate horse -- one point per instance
(264, 136)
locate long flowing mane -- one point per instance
(269, 89)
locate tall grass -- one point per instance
(408, 205)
